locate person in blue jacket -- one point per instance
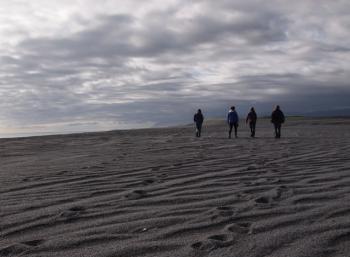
(232, 121)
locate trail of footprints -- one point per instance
(254, 196)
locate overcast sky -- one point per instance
(77, 65)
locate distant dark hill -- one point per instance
(330, 113)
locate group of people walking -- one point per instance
(277, 119)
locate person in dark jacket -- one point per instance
(232, 121)
(251, 119)
(198, 119)
(277, 118)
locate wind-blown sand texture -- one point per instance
(163, 192)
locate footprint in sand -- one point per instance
(213, 242)
(262, 200)
(77, 209)
(136, 194)
(33, 242)
(339, 239)
(162, 176)
(252, 167)
(62, 172)
(274, 195)
(93, 167)
(239, 228)
(222, 212)
(14, 250)
(221, 238)
(148, 181)
(155, 169)
(281, 192)
(71, 214)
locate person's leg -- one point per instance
(276, 130)
(230, 131)
(236, 127)
(199, 129)
(253, 129)
(279, 130)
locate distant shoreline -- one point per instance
(209, 120)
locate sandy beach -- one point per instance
(164, 192)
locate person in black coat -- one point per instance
(198, 119)
(251, 119)
(277, 118)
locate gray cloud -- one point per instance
(156, 67)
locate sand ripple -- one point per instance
(162, 192)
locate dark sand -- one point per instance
(163, 192)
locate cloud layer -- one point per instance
(75, 65)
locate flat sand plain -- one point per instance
(163, 192)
